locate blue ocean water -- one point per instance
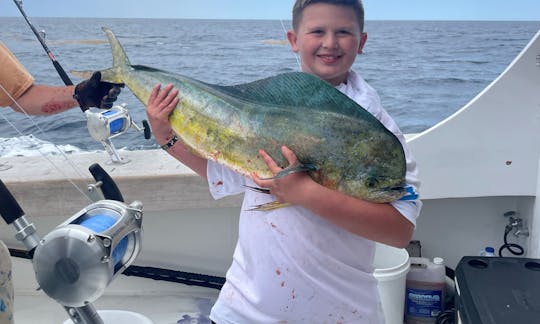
(423, 70)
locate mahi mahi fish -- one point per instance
(340, 144)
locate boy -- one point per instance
(311, 262)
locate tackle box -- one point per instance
(495, 290)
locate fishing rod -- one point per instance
(102, 125)
(57, 66)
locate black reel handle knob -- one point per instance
(9, 207)
(147, 130)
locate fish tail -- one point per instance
(121, 62)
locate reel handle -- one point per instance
(9, 207)
(146, 129)
(108, 186)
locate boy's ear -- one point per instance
(291, 36)
(363, 40)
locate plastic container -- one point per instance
(488, 252)
(497, 290)
(391, 267)
(425, 290)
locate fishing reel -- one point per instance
(76, 261)
(103, 125)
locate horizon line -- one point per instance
(287, 19)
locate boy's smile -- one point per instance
(328, 38)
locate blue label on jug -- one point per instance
(423, 303)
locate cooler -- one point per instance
(494, 290)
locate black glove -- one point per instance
(96, 93)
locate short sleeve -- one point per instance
(222, 181)
(14, 78)
(410, 209)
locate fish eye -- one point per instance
(371, 182)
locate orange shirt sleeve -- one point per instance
(14, 78)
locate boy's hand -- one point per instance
(160, 105)
(292, 188)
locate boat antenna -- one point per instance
(57, 66)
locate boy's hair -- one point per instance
(300, 5)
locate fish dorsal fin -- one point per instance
(295, 89)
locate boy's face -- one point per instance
(328, 38)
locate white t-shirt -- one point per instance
(292, 266)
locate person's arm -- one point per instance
(377, 222)
(46, 100)
(160, 105)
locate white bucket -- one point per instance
(391, 267)
(119, 316)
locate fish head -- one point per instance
(388, 194)
(373, 185)
(383, 189)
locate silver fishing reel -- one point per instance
(76, 261)
(104, 124)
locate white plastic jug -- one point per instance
(425, 285)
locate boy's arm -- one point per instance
(160, 105)
(377, 222)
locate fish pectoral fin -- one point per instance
(107, 75)
(269, 206)
(257, 189)
(293, 169)
(82, 74)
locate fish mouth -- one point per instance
(401, 192)
(394, 189)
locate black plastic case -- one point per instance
(494, 290)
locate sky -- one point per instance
(275, 9)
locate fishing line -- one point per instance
(295, 55)
(57, 66)
(67, 82)
(40, 130)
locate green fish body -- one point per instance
(350, 149)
